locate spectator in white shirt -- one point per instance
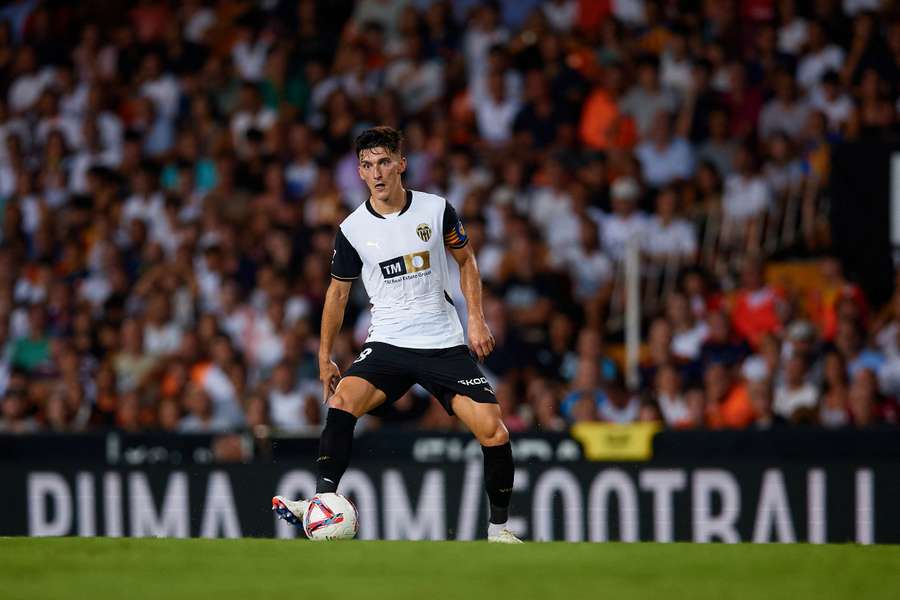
(290, 409)
(163, 88)
(201, 417)
(251, 114)
(552, 202)
(249, 53)
(665, 158)
(73, 93)
(29, 83)
(688, 333)
(673, 406)
(646, 99)
(631, 12)
(785, 112)
(561, 14)
(676, 68)
(483, 32)
(146, 201)
(626, 223)
(668, 236)
(52, 120)
(589, 267)
(747, 195)
(791, 29)
(496, 111)
(819, 59)
(795, 393)
(783, 171)
(418, 82)
(834, 104)
(162, 334)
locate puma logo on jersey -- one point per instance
(476, 381)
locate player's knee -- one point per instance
(341, 401)
(494, 433)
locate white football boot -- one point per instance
(502, 535)
(291, 511)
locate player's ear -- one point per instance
(402, 164)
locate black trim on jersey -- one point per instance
(449, 299)
(408, 202)
(346, 265)
(402, 210)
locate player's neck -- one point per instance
(393, 204)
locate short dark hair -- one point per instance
(380, 137)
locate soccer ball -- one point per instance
(330, 517)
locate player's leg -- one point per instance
(485, 421)
(379, 375)
(353, 398)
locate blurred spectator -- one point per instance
(757, 306)
(586, 399)
(200, 418)
(820, 56)
(626, 223)
(785, 112)
(728, 404)
(746, 197)
(795, 398)
(664, 158)
(764, 417)
(850, 344)
(291, 409)
(647, 100)
(669, 237)
(673, 405)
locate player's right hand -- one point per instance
(329, 375)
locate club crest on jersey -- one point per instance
(424, 232)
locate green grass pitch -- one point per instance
(98, 569)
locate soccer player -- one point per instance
(396, 242)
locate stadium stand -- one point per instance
(172, 173)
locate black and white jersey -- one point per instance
(403, 262)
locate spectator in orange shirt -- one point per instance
(757, 306)
(824, 301)
(727, 403)
(603, 126)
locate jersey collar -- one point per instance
(402, 210)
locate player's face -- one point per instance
(381, 171)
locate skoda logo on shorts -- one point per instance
(424, 232)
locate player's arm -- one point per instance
(346, 265)
(480, 339)
(332, 318)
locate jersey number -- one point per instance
(363, 355)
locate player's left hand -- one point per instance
(481, 341)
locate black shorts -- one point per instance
(444, 372)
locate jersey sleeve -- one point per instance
(454, 232)
(346, 265)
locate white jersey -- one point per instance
(402, 260)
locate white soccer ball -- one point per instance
(330, 517)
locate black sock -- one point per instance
(334, 449)
(498, 480)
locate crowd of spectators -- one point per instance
(172, 174)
